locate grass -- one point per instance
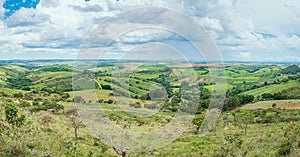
(219, 87)
(11, 91)
(260, 140)
(104, 92)
(145, 76)
(287, 104)
(47, 76)
(273, 88)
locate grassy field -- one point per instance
(219, 87)
(282, 104)
(244, 128)
(273, 88)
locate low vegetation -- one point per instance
(40, 117)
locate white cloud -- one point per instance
(27, 17)
(146, 35)
(236, 26)
(244, 55)
(291, 58)
(211, 24)
(87, 8)
(49, 4)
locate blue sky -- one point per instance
(14, 5)
(242, 30)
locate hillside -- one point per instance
(282, 87)
(41, 107)
(293, 69)
(281, 104)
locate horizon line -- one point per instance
(140, 60)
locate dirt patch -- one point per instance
(105, 96)
(290, 107)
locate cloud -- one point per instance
(49, 4)
(211, 24)
(27, 17)
(152, 51)
(87, 8)
(245, 55)
(236, 26)
(146, 36)
(2, 10)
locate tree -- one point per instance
(279, 96)
(12, 117)
(110, 101)
(244, 118)
(245, 99)
(76, 124)
(231, 102)
(45, 119)
(274, 105)
(232, 145)
(267, 96)
(15, 121)
(198, 120)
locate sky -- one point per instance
(242, 30)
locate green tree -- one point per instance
(198, 120)
(244, 118)
(15, 121)
(231, 103)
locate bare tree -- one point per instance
(76, 124)
(45, 119)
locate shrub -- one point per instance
(110, 101)
(45, 119)
(285, 147)
(79, 99)
(151, 106)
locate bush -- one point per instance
(110, 101)
(18, 95)
(108, 87)
(45, 119)
(151, 106)
(136, 105)
(198, 120)
(100, 101)
(79, 99)
(285, 147)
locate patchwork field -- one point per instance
(246, 109)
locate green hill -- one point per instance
(293, 69)
(273, 88)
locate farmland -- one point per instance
(43, 103)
